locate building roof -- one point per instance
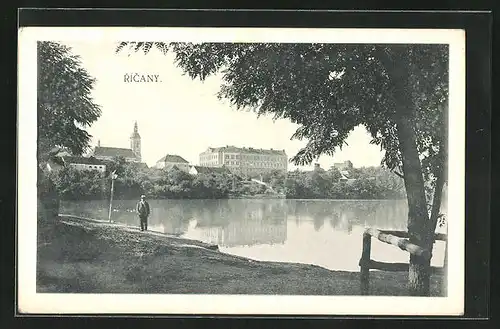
(345, 173)
(346, 163)
(209, 170)
(251, 150)
(114, 152)
(173, 158)
(60, 151)
(82, 160)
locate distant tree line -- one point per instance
(363, 183)
(136, 179)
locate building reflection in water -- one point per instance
(231, 223)
(322, 232)
(170, 216)
(247, 222)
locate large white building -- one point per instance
(246, 161)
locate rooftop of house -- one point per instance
(82, 160)
(60, 151)
(234, 149)
(347, 163)
(208, 170)
(114, 152)
(173, 158)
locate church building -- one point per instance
(132, 154)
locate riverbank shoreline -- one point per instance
(84, 255)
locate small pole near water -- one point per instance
(113, 177)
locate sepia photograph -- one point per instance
(241, 170)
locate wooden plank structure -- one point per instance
(396, 238)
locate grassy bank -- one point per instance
(77, 255)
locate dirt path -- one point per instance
(80, 255)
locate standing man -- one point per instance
(143, 212)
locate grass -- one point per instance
(83, 256)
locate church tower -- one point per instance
(135, 142)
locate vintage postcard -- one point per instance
(241, 171)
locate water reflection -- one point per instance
(245, 223)
(322, 232)
(343, 215)
(249, 222)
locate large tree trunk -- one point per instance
(418, 218)
(397, 63)
(419, 230)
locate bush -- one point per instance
(135, 179)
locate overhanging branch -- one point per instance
(399, 174)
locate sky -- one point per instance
(178, 115)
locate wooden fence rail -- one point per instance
(396, 238)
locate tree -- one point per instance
(74, 184)
(398, 92)
(64, 102)
(64, 110)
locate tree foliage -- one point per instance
(373, 183)
(74, 184)
(398, 92)
(328, 89)
(134, 179)
(65, 105)
(64, 109)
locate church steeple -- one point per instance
(135, 141)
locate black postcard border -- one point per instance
(478, 26)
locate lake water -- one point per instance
(327, 233)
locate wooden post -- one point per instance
(399, 239)
(111, 199)
(113, 177)
(364, 263)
